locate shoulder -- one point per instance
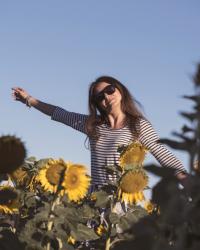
(145, 129)
(143, 123)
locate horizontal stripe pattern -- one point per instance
(74, 120)
(104, 150)
(149, 138)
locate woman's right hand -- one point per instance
(19, 94)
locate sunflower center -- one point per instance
(72, 180)
(54, 174)
(133, 182)
(134, 154)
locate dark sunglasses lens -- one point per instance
(100, 97)
(109, 90)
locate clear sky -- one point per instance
(54, 49)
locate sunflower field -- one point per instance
(50, 203)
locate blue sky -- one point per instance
(54, 49)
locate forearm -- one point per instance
(149, 138)
(19, 94)
(43, 107)
(167, 159)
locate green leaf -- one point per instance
(67, 246)
(69, 213)
(30, 199)
(84, 233)
(102, 199)
(128, 220)
(113, 232)
(85, 213)
(114, 218)
(42, 162)
(139, 211)
(71, 225)
(31, 159)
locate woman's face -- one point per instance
(108, 97)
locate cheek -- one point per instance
(118, 95)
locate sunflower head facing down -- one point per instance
(51, 175)
(132, 185)
(76, 182)
(133, 155)
(9, 202)
(12, 153)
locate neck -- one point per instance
(117, 119)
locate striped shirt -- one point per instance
(104, 150)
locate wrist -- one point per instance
(182, 175)
(28, 101)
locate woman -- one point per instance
(113, 120)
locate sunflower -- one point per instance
(12, 153)
(51, 175)
(71, 240)
(9, 203)
(131, 198)
(93, 196)
(76, 182)
(149, 207)
(131, 186)
(133, 155)
(100, 230)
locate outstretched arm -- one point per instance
(149, 138)
(74, 120)
(21, 95)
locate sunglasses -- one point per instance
(109, 90)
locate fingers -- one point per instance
(18, 94)
(17, 89)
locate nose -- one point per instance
(106, 96)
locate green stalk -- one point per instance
(107, 244)
(50, 222)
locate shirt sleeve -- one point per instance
(74, 120)
(149, 138)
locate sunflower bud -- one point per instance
(8, 200)
(12, 153)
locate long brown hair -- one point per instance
(97, 115)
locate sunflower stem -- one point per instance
(107, 244)
(50, 222)
(105, 221)
(115, 241)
